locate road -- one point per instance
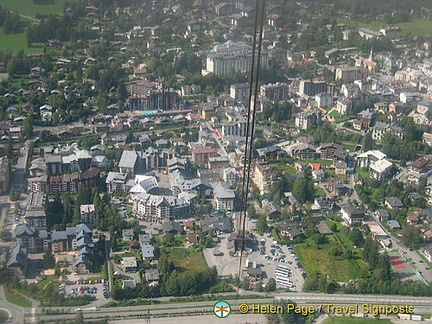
(422, 305)
(16, 313)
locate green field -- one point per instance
(319, 192)
(3, 316)
(15, 43)
(28, 8)
(419, 27)
(352, 320)
(187, 259)
(16, 298)
(317, 258)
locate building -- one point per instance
(308, 118)
(154, 208)
(201, 156)
(230, 175)
(328, 150)
(352, 215)
(137, 162)
(147, 251)
(118, 182)
(275, 91)
(235, 127)
(35, 215)
(129, 264)
(88, 214)
(348, 74)
(302, 151)
(232, 57)
(380, 128)
(18, 259)
(239, 91)
(33, 240)
(393, 203)
(312, 87)
(128, 234)
(264, 176)
(381, 169)
(366, 159)
(223, 197)
(222, 224)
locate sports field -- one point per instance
(28, 8)
(398, 263)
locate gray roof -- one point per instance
(128, 159)
(82, 259)
(18, 256)
(217, 223)
(394, 201)
(352, 210)
(152, 275)
(147, 251)
(171, 226)
(24, 230)
(222, 191)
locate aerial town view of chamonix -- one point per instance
(215, 161)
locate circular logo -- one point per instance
(221, 309)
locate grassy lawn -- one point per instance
(319, 192)
(41, 284)
(365, 174)
(16, 298)
(28, 8)
(321, 161)
(187, 259)
(122, 245)
(15, 43)
(337, 117)
(419, 27)
(349, 147)
(3, 316)
(317, 258)
(283, 168)
(352, 320)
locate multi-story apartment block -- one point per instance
(366, 159)
(35, 215)
(232, 57)
(264, 176)
(201, 156)
(380, 128)
(239, 91)
(66, 183)
(154, 208)
(312, 87)
(223, 197)
(275, 91)
(88, 214)
(234, 128)
(306, 119)
(133, 162)
(350, 73)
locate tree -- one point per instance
(368, 142)
(48, 260)
(27, 128)
(261, 225)
(356, 237)
(271, 285)
(246, 283)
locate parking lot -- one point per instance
(95, 288)
(261, 256)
